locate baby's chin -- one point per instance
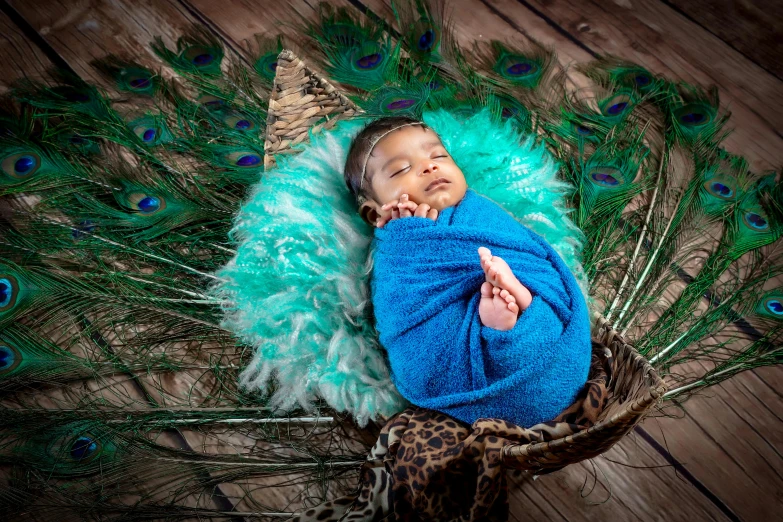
(443, 198)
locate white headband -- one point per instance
(379, 138)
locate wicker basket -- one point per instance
(301, 101)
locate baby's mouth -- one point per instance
(436, 183)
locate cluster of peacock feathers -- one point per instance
(119, 388)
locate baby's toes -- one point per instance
(486, 289)
(508, 297)
(513, 307)
(504, 293)
(484, 252)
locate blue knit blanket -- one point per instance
(426, 289)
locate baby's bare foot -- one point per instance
(499, 274)
(498, 308)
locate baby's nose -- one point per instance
(429, 168)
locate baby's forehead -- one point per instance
(406, 138)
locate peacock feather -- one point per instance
(125, 207)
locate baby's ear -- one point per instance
(370, 212)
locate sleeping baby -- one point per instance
(480, 317)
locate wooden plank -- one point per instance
(20, 57)
(655, 36)
(83, 31)
(755, 29)
(631, 481)
(730, 438)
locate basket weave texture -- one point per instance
(301, 101)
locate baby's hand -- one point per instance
(405, 208)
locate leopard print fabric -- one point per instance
(429, 466)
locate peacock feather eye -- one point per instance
(775, 306)
(424, 37)
(400, 104)
(240, 122)
(694, 114)
(517, 68)
(151, 131)
(771, 305)
(266, 65)
(84, 448)
(21, 165)
(723, 187)
(244, 159)
(639, 79)
(145, 203)
(370, 61)
(582, 130)
(608, 177)
(755, 220)
(208, 101)
(10, 358)
(9, 292)
(617, 105)
(199, 56)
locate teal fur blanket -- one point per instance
(297, 290)
(426, 289)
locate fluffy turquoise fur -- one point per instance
(298, 286)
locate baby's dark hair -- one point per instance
(360, 148)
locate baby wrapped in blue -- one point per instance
(426, 291)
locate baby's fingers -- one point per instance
(432, 214)
(407, 209)
(421, 210)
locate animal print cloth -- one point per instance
(428, 466)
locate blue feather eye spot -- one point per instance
(273, 66)
(371, 61)
(694, 115)
(692, 118)
(582, 129)
(608, 177)
(84, 448)
(199, 56)
(755, 221)
(642, 80)
(149, 204)
(240, 122)
(140, 83)
(22, 165)
(248, 160)
(149, 135)
(427, 40)
(9, 358)
(617, 108)
(616, 105)
(724, 188)
(83, 228)
(400, 104)
(145, 203)
(9, 289)
(775, 306)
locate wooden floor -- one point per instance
(721, 458)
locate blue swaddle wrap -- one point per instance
(426, 290)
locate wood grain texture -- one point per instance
(752, 27)
(657, 37)
(19, 56)
(83, 30)
(631, 481)
(731, 438)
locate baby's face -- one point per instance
(413, 161)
